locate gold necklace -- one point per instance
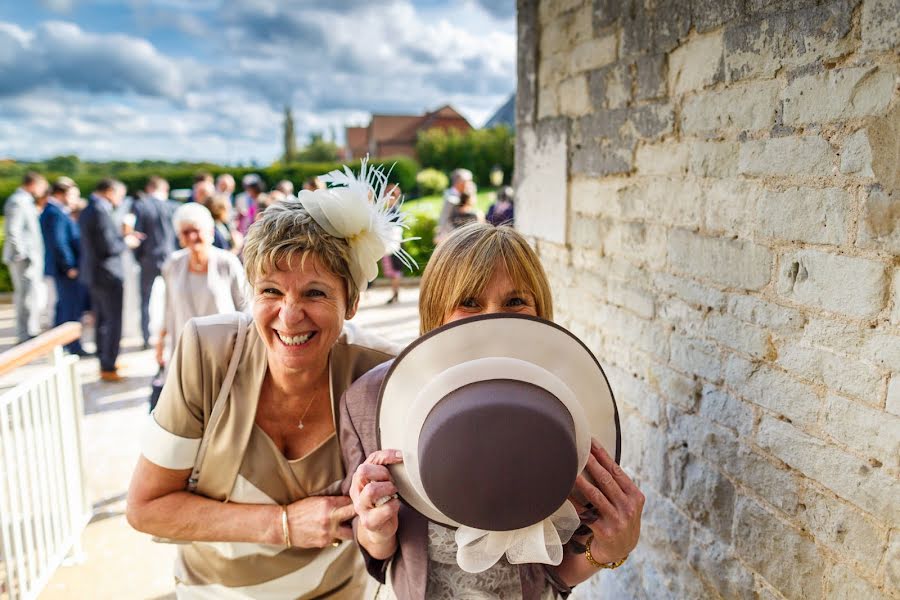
(303, 416)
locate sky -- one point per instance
(209, 79)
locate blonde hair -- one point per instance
(284, 232)
(462, 266)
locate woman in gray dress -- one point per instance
(200, 278)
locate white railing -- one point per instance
(43, 506)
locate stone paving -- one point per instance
(115, 561)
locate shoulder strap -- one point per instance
(219, 405)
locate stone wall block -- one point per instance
(781, 319)
(695, 294)
(594, 53)
(840, 373)
(810, 35)
(880, 222)
(669, 158)
(672, 385)
(666, 200)
(871, 432)
(653, 121)
(839, 94)
(607, 12)
(664, 525)
(548, 102)
(695, 357)
(856, 155)
(574, 99)
(709, 14)
(789, 156)
(731, 263)
(842, 527)
(744, 108)
(845, 584)
(742, 337)
(842, 284)
(601, 159)
(526, 68)
(723, 408)
(805, 215)
(772, 389)
(714, 159)
(545, 164)
(892, 562)
(717, 564)
(696, 64)
(731, 207)
(893, 395)
(652, 73)
(593, 197)
(851, 478)
(880, 25)
(703, 493)
(760, 537)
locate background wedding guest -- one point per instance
(23, 252)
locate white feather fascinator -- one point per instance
(358, 209)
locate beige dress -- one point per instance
(263, 475)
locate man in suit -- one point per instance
(102, 245)
(153, 219)
(62, 243)
(23, 252)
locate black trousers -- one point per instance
(70, 303)
(107, 301)
(148, 275)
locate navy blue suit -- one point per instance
(102, 245)
(153, 218)
(62, 247)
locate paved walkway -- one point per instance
(118, 562)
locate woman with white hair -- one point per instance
(200, 279)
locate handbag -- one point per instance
(214, 416)
(156, 386)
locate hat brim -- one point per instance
(521, 337)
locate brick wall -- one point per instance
(713, 186)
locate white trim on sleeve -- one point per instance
(166, 449)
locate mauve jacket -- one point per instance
(409, 565)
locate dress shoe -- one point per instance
(110, 376)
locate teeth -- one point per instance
(295, 340)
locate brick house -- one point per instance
(713, 188)
(396, 135)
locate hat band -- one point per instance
(486, 369)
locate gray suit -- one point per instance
(23, 251)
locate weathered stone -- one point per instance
(643, 243)
(526, 48)
(667, 200)
(669, 158)
(723, 408)
(632, 393)
(757, 383)
(893, 395)
(574, 100)
(548, 102)
(781, 319)
(844, 584)
(690, 291)
(718, 565)
(856, 155)
(651, 77)
(731, 263)
(841, 527)
(696, 64)
(841, 284)
(601, 125)
(664, 525)
(653, 121)
(672, 385)
(709, 14)
(704, 494)
(880, 25)
(594, 54)
(552, 69)
(695, 357)
(744, 108)
(731, 207)
(594, 197)
(892, 562)
(884, 134)
(805, 215)
(839, 94)
(871, 432)
(880, 223)
(599, 159)
(607, 12)
(618, 86)
(714, 159)
(791, 39)
(588, 232)
(544, 162)
(851, 478)
(840, 373)
(759, 536)
(810, 155)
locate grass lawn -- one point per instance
(431, 205)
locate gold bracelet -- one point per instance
(593, 561)
(285, 528)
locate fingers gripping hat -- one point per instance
(494, 416)
(359, 209)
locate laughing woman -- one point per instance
(241, 458)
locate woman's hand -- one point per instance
(617, 505)
(374, 498)
(318, 521)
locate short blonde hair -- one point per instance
(285, 232)
(462, 266)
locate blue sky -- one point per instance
(208, 79)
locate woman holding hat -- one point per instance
(437, 542)
(240, 460)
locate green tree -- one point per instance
(68, 164)
(290, 140)
(318, 149)
(478, 150)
